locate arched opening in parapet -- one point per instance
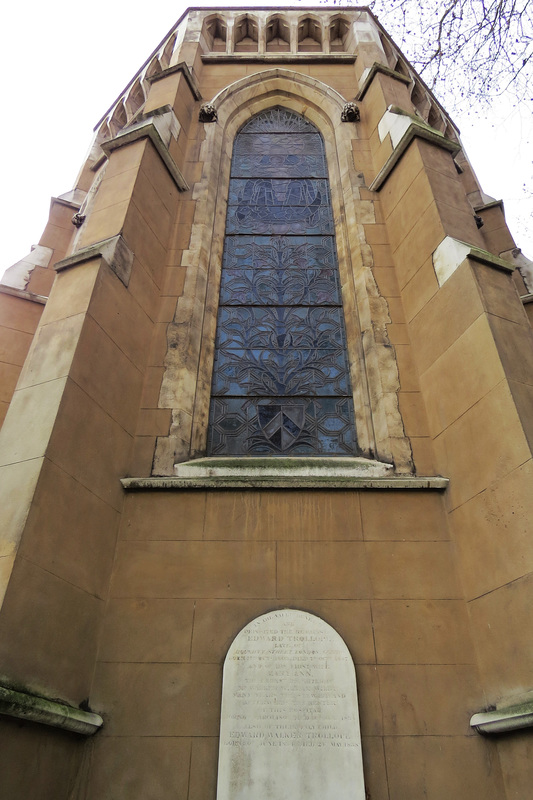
(246, 35)
(309, 35)
(277, 35)
(215, 33)
(338, 33)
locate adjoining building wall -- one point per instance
(127, 596)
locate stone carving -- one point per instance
(78, 220)
(208, 113)
(290, 725)
(350, 113)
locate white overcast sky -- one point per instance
(64, 63)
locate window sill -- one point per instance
(246, 472)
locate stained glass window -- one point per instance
(281, 382)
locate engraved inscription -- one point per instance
(289, 712)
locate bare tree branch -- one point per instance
(481, 48)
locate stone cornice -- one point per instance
(451, 253)
(489, 259)
(491, 204)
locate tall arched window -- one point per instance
(281, 382)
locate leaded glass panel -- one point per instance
(281, 376)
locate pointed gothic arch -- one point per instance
(186, 383)
(280, 378)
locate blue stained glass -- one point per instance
(288, 372)
(311, 220)
(281, 379)
(280, 252)
(276, 426)
(277, 166)
(282, 286)
(280, 327)
(309, 144)
(277, 192)
(278, 155)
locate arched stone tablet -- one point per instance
(290, 724)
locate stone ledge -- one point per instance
(184, 69)
(247, 472)
(23, 294)
(283, 467)
(174, 484)
(489, 205)
(114, 251)
(34, 708)
(18, 275)
(415, 130)
(370, 73)
(502, 720)
(148, 130)
(451, 253)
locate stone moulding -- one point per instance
(249, 472)
(503, 720)
(491, 204)
(34, 708)
(23, 294)
(114, 251)
(451, 253)
(415, 130)
(279, 58)
(148, 131)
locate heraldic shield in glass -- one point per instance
(281, 382)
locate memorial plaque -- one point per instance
(290, 724)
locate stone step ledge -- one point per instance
(284, 473)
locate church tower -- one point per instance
(266, 470)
